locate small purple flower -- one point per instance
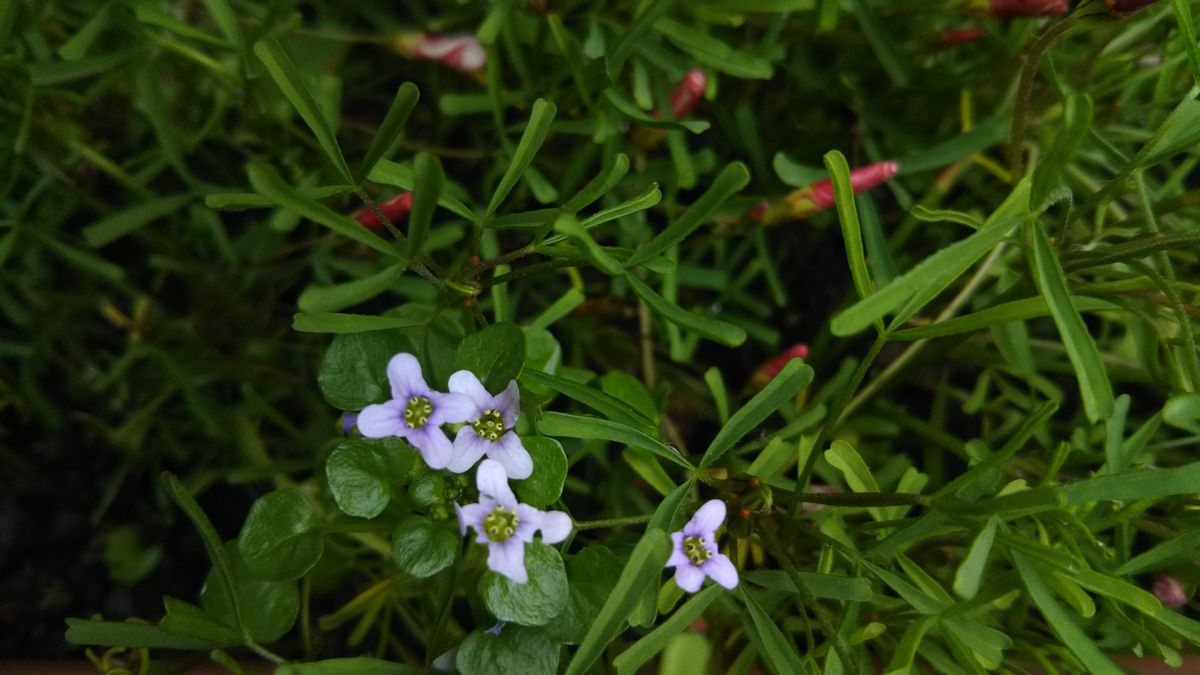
(696, 556)
(416, 413)
(505, 525)
(489, 431)
(1169, 590)
(348, 421)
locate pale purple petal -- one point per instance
(689, 578)
(451, 409)
(508, 558)
(509, 404)
(383, 420)
(556, 525)
(529, 520)
(678, 557)
(468, 448)
(707, 520)
(464, 382)
(471, 515)
(492, 481)
(511, 453)
(721, 570)
(404, 374)
(435, 448)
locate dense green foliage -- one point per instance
(986, 459)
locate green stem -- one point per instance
(611, 522)
(1025, 92)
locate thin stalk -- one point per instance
(1025, 92)
(611, 522)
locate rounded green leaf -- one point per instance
(592, 573)
(423, 548)
(278, 541)
(360, 473)
(536, 602)
(545, 485)
(517, 649)
(354, 372)
(495, 354)
(269, 608)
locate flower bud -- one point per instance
(767, 371)
(958, 36)
(1011, 9)
(819, 196)
(1123, 8)
(460, 52)
(395, 208)
(1169, 590)
(686, 95)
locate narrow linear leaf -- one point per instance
(778, 649)
(133, 635)
(531, 141)
(843, 194)
(599, 186)
(609, 406)
(328, 322)
(796, 375)
(970, 572)
(725, 333)
(392, 127)
(628, 662)
(319, 299)
(226, 20)
(579, 426)
(129, 221)
(426, 192)
(567, 225)
(628, 109)
(1004, 313)
(401, 176)
(730, 181)
(1132, 485)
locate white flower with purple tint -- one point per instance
(416, 413)
(696, 556)
(505, 525)
(489, 429)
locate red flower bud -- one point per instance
(819, 196)
(395, 208)
(957, 36)
(1008, 9)
(767, 371)
(1170, 591)
(460, 52)
(686, 95)
(1123, 8)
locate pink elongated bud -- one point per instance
(1011, 9)
(1169, 590)
(686, 95)
(460, 52)
(395, 209)
(811, 199)
(767, 371)
(958, 36)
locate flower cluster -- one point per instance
(417, 413)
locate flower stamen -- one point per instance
(489, 426)
(695, 550)
(500, 524)
(417, 412)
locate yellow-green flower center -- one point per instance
(417, 412)
(500, 524)
(694, 549)
(489, 426)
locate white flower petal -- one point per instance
(556, 525)
(492, 481)
(509, 404)
(404, 375)
(510, 452)
(529, 521)
(678, 557)
(471, 515)
(721, 570)
(452, 409)
(468, 448)
(689, 578)
(433, 445)
(382, 420)
(707, 520)
(465, 382)
(508, 558)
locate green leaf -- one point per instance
(361, 472)
(353, 374)
(128, 221)
(517, 649)
(648, 199)
(1134, 485)
(393, 125)
(998, 315)
(531, 140)
(611, 407)
(634, 33)
(422, 547)
(1071, 635)
(226, 20)
(630, 660)
(970, 571)
(983, 136)
(1094, 387)
(581, 426)
(536, 602)
(882, 43)
(718, 331)
(564, 305)
(712, 52)
(128, 559)
(222, 565)
(388, 172)
(284, 72)
(132, 635)
(729, 182)
(858, 476)
(268, 609)
(316, 300)
(599, 186)
(595, 254)
(268, 183)
(185, 618)
(1187, 32)
(628, 109)
(622, 386)
(342, 324)
(591, 574)
(643, 569)
(1182, 411)
(1176, 548)
(426, 193)
(927, 279)
(279, 541)
(774, 646)
(495, 354)
(839, 173)
(356, 665)
(796, 375)
(831, 586)
(1077, 122)
(545, 485)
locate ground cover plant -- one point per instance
(792, 336)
